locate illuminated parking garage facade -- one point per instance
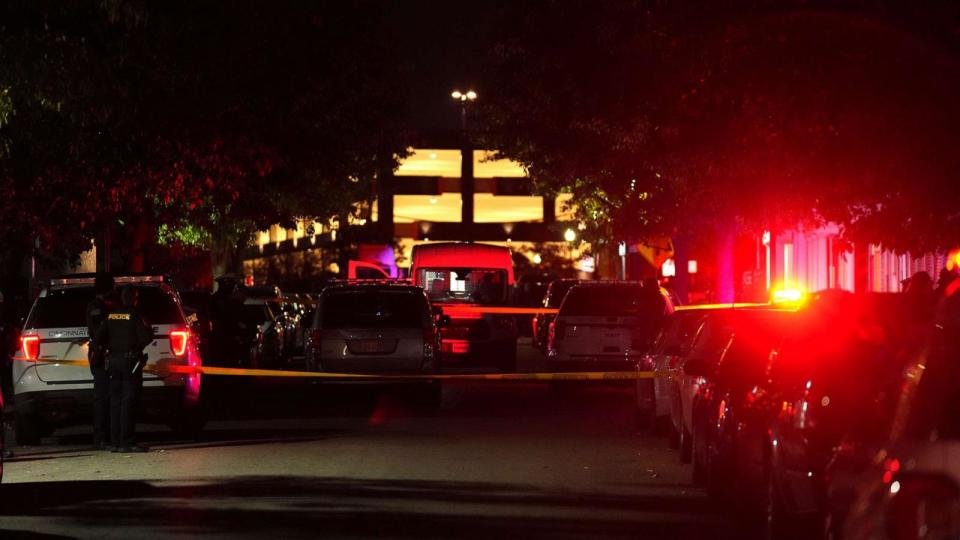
(437, 193)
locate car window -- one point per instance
(66, 308)
(257, 313)
(612, 301)
(374, 309)
(556, 292)
(465, 285)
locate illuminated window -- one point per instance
(431, 162)
(490, 208)
(409, 208)
(485, 167)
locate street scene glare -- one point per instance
(502, 269)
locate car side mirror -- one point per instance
(444, 320)
(696, 367)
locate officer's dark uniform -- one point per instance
(124, 333)
(97, 311)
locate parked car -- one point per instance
(284, 319)
(831, 381)
(654, 396)
(266, 335)
(726, 390)
(912, 487)
(606, 326)
(464, 275)
(529, 292)
(375, 328)
(541, 322)
(699, 360)
(49, 393)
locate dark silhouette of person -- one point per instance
(124, 334)
(97, 311)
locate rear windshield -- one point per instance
(374, 309)
(613, 301)
(556, 292)
(678, 333)
(67, 308)
(465, 285)
(257, 313)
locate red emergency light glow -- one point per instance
(30, 345)
(787, 295)
(178, 342)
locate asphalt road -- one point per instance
(296, 460)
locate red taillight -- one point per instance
(178, 342)
(30, 345)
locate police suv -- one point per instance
(52, 382)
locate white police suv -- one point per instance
(52, 382)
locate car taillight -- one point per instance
(30, 345)
(178, 342)
(533, 324)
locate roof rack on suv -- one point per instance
(380, 281)
(76, 280)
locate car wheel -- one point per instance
(28, 430)
(686, 445)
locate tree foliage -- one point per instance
(203, 120)
(661, 117)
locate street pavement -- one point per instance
(298, 460)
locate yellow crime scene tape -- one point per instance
(248, 372)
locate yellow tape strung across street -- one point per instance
(244, 372)
(450, 309)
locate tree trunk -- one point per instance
(225, 256)
(139, 239)
(725, 290)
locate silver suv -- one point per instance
(377, 327)
(49, 393)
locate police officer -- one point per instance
(97, 311)
(124, 334)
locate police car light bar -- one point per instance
(86, 280)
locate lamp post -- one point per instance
(466, 163)
(465, 99)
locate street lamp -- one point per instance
(465, 99)
(569, 235)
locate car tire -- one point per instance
(686, 445)
(28, 430)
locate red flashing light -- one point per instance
(178, 342)
(30, 345)
(891, 467)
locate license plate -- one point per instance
(368, 346)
